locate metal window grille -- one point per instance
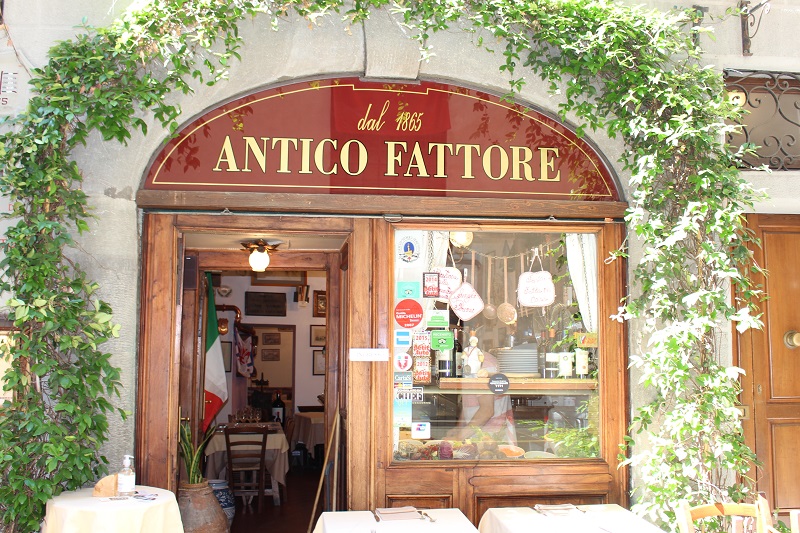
(772, 123)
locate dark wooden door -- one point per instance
(771, 389)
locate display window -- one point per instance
(495, 353)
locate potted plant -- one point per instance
(192, 454)
(200, 509)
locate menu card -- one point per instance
(557, 509)
(408, 512)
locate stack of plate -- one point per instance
(520, 361)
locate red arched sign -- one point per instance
(346, 136)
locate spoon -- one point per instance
(505, 311)
(489, 312)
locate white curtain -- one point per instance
(582, 263)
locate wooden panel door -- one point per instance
(774, 388)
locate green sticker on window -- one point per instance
(441, 339)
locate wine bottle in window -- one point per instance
(458, 353)
(278, 409)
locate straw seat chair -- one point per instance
(737, 512)
(247, 465)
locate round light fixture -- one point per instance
(259, 254)
(259, 259)
(461, 239)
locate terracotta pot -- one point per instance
(200, 510)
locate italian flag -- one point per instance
(216, 388)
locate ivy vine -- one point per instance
(633, 73)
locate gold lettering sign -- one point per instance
(357, 137)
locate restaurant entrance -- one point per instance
(403, 176)
(171, 358)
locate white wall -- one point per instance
(279, 373)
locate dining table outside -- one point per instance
(276, 454)
(439, 521)
(77, 511)
(604, 518)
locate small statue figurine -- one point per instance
(473, 357)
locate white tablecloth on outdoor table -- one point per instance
(276, 454)
(77, 511)
(447, 521)
(309, 428)
(608, 518)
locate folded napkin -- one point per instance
(408, 512)
(560, 509)
(106, 487)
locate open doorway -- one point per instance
(170, 373)
(280, 319)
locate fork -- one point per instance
(426, 515)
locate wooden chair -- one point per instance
(759, 512)
(247, 465)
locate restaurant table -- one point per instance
(447, 521)
(276, 454)
(607, 518)
(77, 511)
(309, 428)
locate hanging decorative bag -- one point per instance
(465, 302)
(536, 289)
(449, 280)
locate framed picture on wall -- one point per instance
(319, 335)
(271, 338)
(227, 346)
(318, 368)
(320, 304)
(270, 354)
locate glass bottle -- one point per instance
(459, 353)
(126, 478)
(278, 409)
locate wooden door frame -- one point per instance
(157, 413)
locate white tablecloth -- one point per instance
(78, 512)
(276, 455)
(590, 519)
(309, 428)
(447, 521)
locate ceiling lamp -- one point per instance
(461, 239)
(259, 254)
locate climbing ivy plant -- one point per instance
(632, 73)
